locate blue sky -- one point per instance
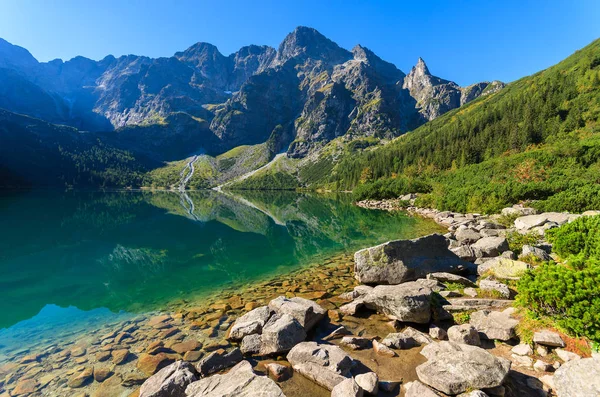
(465, 41)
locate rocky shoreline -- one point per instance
(431, 316)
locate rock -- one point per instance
(472, 292)
(170, 381)
(464, 333)
(523, 361)
(522, 350)
(407, 302)
(119, 356)
(406, 339)
(590, 213)
(454, 368)
(81, 379)
(239, 381)
(103, 356)
(536, 252)
(467, 235)
(526, 223)
(382, 349)
(463, 304)
(566, 355)
(418, 389)
(369, 382)
(78, 351)
(542, 350)
(548, 338)
(437, 333)
(399, 261)
(101, 374)
(542, 366)
(464, 252)
(133, 379)
(451, 278)
(251, 344)
(494, 325)
(504, 268)
(326, 365)
(192, 356)
(278, 371)
(338, 333)
(307, 312)
(186, 346)
(250, 323)
(218, 360)
(280, 334)
(347, 388)
(24, 387)
(578, 378)
(150, 364)
(357, 343)
(488, 284)
(490, 246)
(518, 210)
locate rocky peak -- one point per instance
(421, 68)
(384, 69)
(15, 57)
(206, 59)
(305, 43)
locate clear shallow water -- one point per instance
(71, 260)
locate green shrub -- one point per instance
(516, 240)
(390, 188)
(578, 238)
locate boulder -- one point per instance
(170, 381)
(548, 338)
(522, 350)
(437, 333)
(357, 342)
(400, 261)
(418, 389)
(382, 350)
(566, 355)
(406, 339)
(347, 388)
(307, 312)
(464, 252)
(494, 325)
(218, 360)
(501, 289)
(529, 222)
(451, 278)
(504, 268)
(490, 246)
(250, 323)
(519, 210)
(464, 333)
(280, 334)
(369, 382)
(454, 368)
(467, 235)
(239, 381)
(474, 393)
(326, 365)
(251, 344)
(578, 378)
(279, 371)
(408, 302)
(536, 252)
(81, 379)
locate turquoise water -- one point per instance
(70, 259)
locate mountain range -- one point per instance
(296, 98)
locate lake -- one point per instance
(72, 260)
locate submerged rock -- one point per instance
(399, 261)
(406, 339)
(170, 381)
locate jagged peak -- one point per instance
(200, 48)
(305, 42)
(421, 68)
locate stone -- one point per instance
(509, 255)
(407, 302)
(548, 338)
(218, 360)
(523, 361)
(504, 268)
(467, 235)
(280, 334)
(437, 333)
(193, 356)
(239, 381)
(464, 333)
(406, 339)
(338, 333)
(501, 289)
(566, 355)
(81, 379)
(542, 366)
(25, 387)
(382, 350)
(454, 368)
(251, 344)
(356, 342)
(451, 278)
(250, 323)
(400, 261)
(133, 379)
(542, 350)
(112, 387)
(578, 378)
(326, 365)
(101, 374)
(305, 311)
(472, 292)
(170, 381)
(418, 389)
(119, 356)
(522, 350)
(279, 371)
(78, 351)
(369, 382)
(103, 356)
(464, 252)
(150, 364)
(529, 222)
(536, 252)
(494, 325)
(347, 388)
(518, 209)
(490, 246)
(186, 346)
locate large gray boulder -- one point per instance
(578, 378)
(170, 381)
(280, 334)
(408, 302)
(499, 288)
(347, 388)
(399, 261)
(239, 381)
(465, 333)
(307, 312)
(490, 247)
(369, 382)
(536, 252)
(527, 223)
(504, 268)
(218, 360)
(466, 235)
(250, 323)
(454, 368)
(326, 365)
(418, 389)
(451, 278)
(494, 325)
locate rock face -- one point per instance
(170, 381)
(326, 365)
(408, 302)
(399, 261)
(578, 378)
(454, 368)
(494, 325)
(239, 381)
